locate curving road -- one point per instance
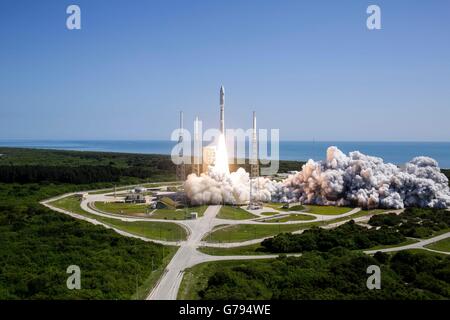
(417, 245)
(188, 256)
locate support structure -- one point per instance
(254, 163)
(181, 168)
(197, 147)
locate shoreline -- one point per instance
(43, 148)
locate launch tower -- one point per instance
(181, 168)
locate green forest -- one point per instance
(389, 229)
(37, 245)
(76, 167)
(349, 235)
(336, 274)
(414, 222)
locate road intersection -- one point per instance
(188, 254)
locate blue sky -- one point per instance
(309, 68)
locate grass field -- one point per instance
(179, 214)
(234, 213)
(443, 245)
(279, 206)
(152, 230)
(72, 204)
(196, 278)
(292, 217)
(327, 210)
(122, 208)
(144, 210)
(244, 232)
(268, 213)
(243, 250)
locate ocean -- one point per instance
(395, 152)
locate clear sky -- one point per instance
(310, 68)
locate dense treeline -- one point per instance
(21, 156)
(414, 222)
(337, 274)
(349, 235)
(75, 175)
(37, 245)
(79, 167)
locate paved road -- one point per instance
(188, 255)
(96, 222)
(417, 245)
(86, 205)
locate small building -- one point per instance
(135, 198)
(194, 215)
(254, 206)
(139, 190)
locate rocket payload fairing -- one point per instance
(222, 106)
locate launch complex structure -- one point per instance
(208, 156)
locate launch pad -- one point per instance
(214, 156)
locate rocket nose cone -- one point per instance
(222, 90)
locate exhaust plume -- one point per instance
(354, 179)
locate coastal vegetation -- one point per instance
(37, 246)
(349, 235)
(415, 222)
(336, 274)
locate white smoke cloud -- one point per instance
(217, 187)
(356, 179)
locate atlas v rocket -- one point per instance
(222, 106)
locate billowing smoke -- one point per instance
(356, 179)
(215, 187)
